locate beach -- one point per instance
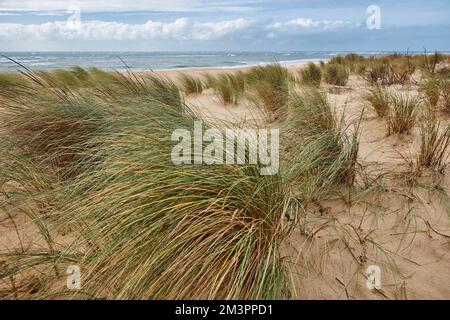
(389, 221)
(420, 267)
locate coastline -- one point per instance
(199, 71)
(47, 61)
(287, 64)
(377, 150)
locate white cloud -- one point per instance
(180, 29)
(302, 23)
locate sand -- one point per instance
(400, 227)
(407, 228)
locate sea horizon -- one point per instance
(165, 60)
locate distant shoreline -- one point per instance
(288, 64)
(169, 61)
(166, 61)
(47, 62)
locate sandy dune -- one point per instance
(407, 228)
(403, 228)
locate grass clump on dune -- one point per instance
(321, 152)
(351, 61)
(53, 121)
(403, 113)
(311, 75)
(190, 84)
(379, 98)
(312, 112)
(431, 88)
(229, 87)
(445, 96)
(389, 70)
(12, 80)
(269, 87)
(427, 63)
(266, 86)
(196, 232)
(336, 74)
(144, 228)
(48, 124)
(13, 85)
(66, 77)
(434, 147)
(399, 68)
(208, 80)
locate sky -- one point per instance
(219, 25)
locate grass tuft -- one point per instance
(269, 87)
(191, 85)
(229, 87)
(379, 98)
(445, 96)
(208, 80)
(434, 147)
(403, 113)
(431, 88)
(336, 74)
(321, 153)
(311, 75)
(143, 228)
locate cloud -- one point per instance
(8, 14)
(302, 25)
(180, 29)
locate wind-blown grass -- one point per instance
(312, 112)
(52, 121)
(144, 227)
(434, 147)
(351, 61)
(208, 80)
(336, 74)
(321, 152)
(266, 86)
(379, 98)
(269, 88)
(179, 232)
(403, 113)
(229, 88)
(190, 84)
(431, 87)
(12, 81)
(311, 75)
(445, 96)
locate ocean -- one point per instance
(157, 61)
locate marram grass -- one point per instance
(144, 228)
(403, 113)
(434, 146)
(379, 98)
(229, 87)
(94, 158)
(336, 74)
(320, 148)
(311, 75)
(191, 85)
(269, 88)
(162, 231)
